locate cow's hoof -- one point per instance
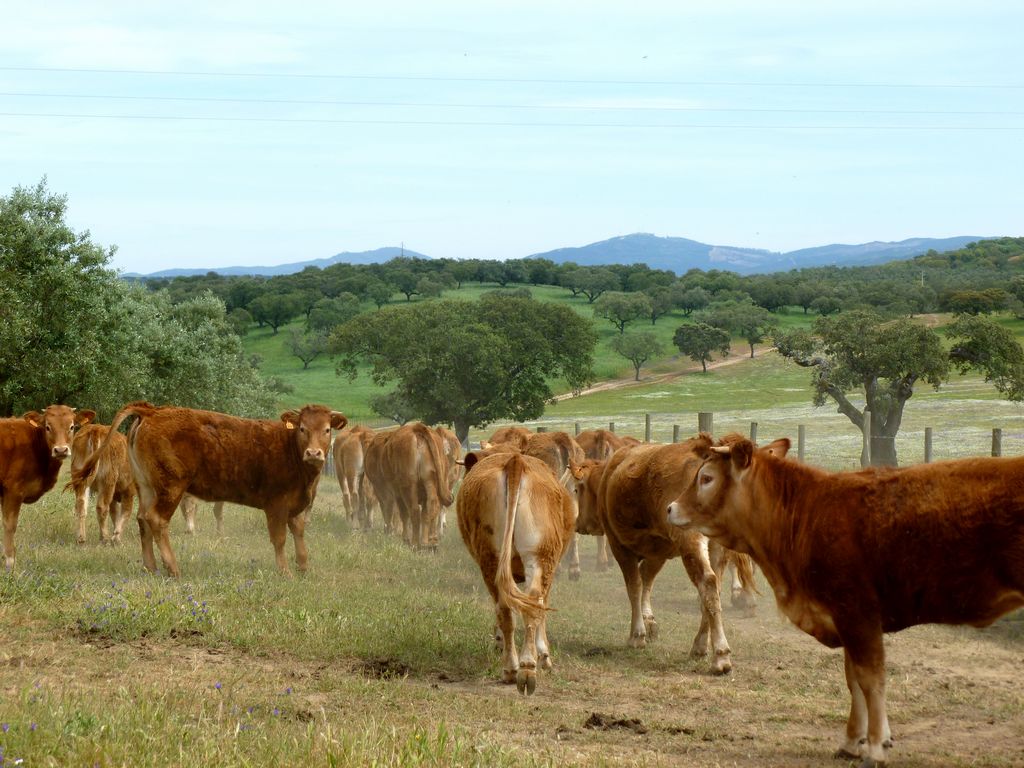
(844, 754)
(545, 662)
(638, 641)
(723, 665)
(526, 681)
(509, 676)
(652, 629)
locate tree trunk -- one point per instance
(704, 365)
(883, 451)
(637, 373)
(462, 432)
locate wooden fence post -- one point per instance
(611, 426)
(706, 422)
(675, 433)
(927, 445)
(997, 442)
(647, 427)
(542, 429)
(801, 441)
(577, 429)
(753, 432)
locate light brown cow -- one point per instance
(562, 454)
(189, 509)
(517, 436)
(270, 465)
(852, 555)
(451, 449)
(598, 444)
(636, 489)
(112, 482)
(350, 466)
(32, 450)
(409, 475)
(516, 520)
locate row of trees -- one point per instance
(72, 332)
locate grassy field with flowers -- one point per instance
(383, 656)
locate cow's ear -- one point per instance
(741, 453)
(338, 420)
(290, 419)
(778, 448)
(33, 417)
(85, 417)
(470, 460)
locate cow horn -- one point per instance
(725, 450)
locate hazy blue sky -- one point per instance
(222, 133)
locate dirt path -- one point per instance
(734, 357)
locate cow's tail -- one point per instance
(440, 466)
(88, 444)
(745, 571)
(508, 591)
(85, 473)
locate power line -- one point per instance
(509, 124)
(464, 105)
(552, 81)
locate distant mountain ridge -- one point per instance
(677, 254)
(375, 256)
(680, 254)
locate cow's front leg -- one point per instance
(277, 527)
(864, 661)
(297, 525)
(81, 509)
(649, 570)
(698, 567)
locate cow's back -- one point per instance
(218, 457)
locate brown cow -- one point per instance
(32, 450)
(637, 486)
(270, 465)
(113, 483)
(516, 519)
(190, 507)
(409, 475)
(350, 466)
(599, 444)
(852, 555)
(451, 449)
(517, 436)
(561, 453)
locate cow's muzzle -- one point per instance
(676, 514)
(314, 456)
(61, 451)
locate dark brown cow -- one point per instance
(852, 555)
(350, 466)
(270, 465)
(637, 486)
(517, 436)
(516, 520)
(112, 482)
(32, 450)
(409, 475)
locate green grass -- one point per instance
(382, 656)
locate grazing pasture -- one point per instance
(384, 655)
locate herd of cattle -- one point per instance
(849, 555)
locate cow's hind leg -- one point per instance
(81, 510)
(104, 505)
(509, 655)
(218, 514)
(572, 557)
(649, 570)
(158, 517)
(697, 562)
(602, 553)
(629, 564)
(11, 507)
(297, 525)
(146, 501)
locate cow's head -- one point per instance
(312, 426)
(587, 479)
(717, 485)
(59, 424)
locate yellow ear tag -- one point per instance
(33, 423)
(289, 425)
